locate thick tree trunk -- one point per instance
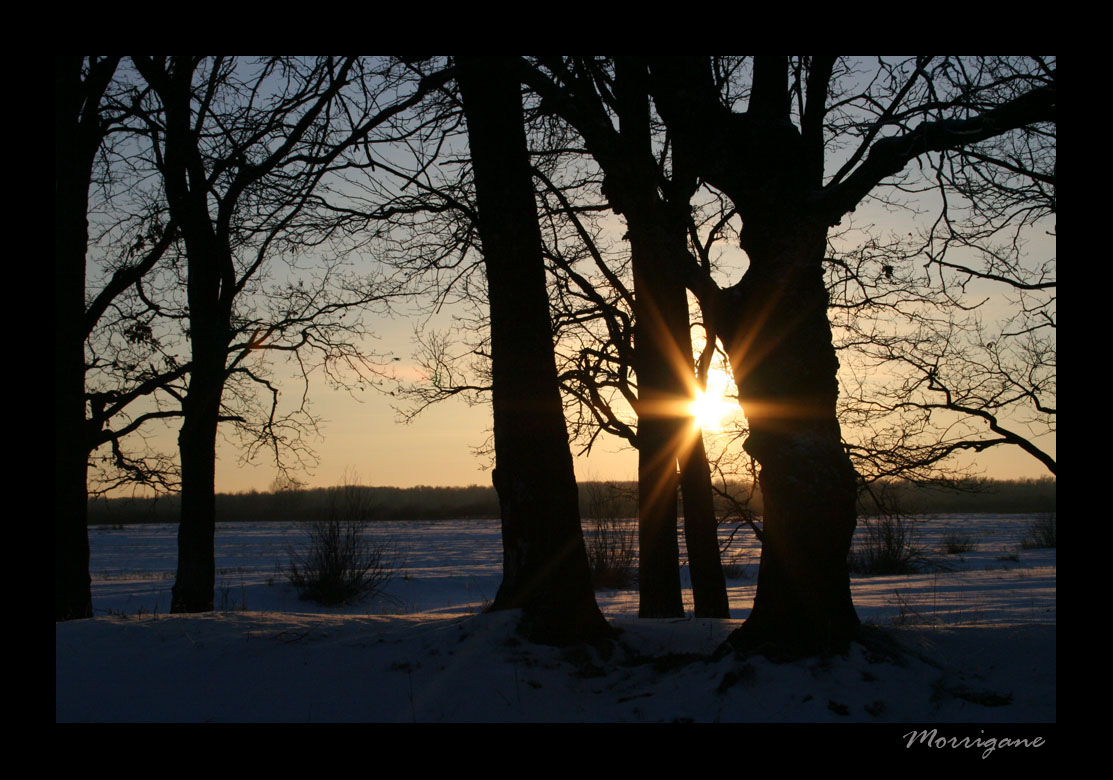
(196, 574)
(545, 568)
(775, 328)
(209, 315)
(779, 341)
(660, 317)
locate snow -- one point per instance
(971, 639)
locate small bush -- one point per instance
(885, 546)
(611, 540)
(1041, 534)
(341, 564)
(955, 543)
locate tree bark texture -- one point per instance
(545, 567)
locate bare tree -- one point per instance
(79, 132)
(820, 137)
(594, 302)
(245, 152)
(545, 568)
(655, 205)
(774, 321)
(95, 171)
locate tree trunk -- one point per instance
(195, 581)
(210, 335)
(660, 316)
(657, 231)
(701, 533)
(210, 290)
(775, 327)
(78, 134)
(670, 445)
(72, 594)
(545, 567)
(209, 339)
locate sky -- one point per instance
(366, 437)
(362, 434)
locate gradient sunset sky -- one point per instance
(366, 437)
(438, 448)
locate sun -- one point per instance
(711, 408)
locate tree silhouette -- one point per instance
(243, 150)
(644, 324)
(251, 160)
(79, 132)
(774, 321)
(769, 163)
(95, 151)
(545, 568)
(600, 365)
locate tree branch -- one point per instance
(888, 156)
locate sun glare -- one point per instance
(711, 408)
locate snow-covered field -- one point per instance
(969, 639)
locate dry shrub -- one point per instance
(341, 563)
(1041, 534)
(885, 546)
(611, 540)
(956, 543)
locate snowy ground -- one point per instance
(971, 639)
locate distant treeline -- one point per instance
(988, 496)
(615, 499)
(386, 503)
